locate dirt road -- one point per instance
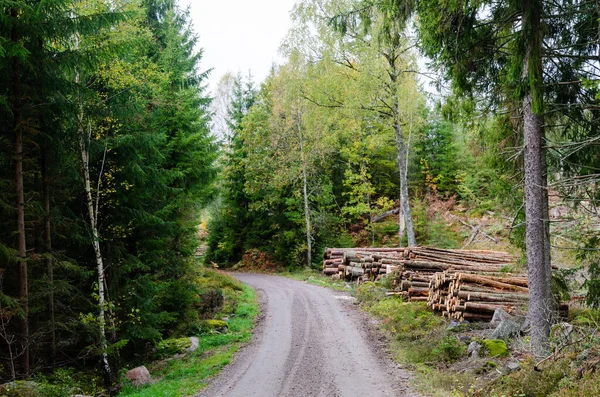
(310, 341)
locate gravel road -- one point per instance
(310, 341)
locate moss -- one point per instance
(214, 324)
(207, 327)
(495, 347)
(169, 347)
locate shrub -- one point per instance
(369, 293)
(449, 349)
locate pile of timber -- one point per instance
(363, 264)
(476, 296)
(412, 281)
(411, 268)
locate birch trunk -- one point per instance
(402, 153)
(404, 202)
(306, 206)
(93, 215)
(97, 252)
(537, 248)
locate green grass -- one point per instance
(188, 375)
(317, 278)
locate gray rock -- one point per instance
(139, 376)
(526, 326)
(453, 325)
(499, 316)
(464, 338)
(512, 366)
(473, 349)
(195, 342)
(505, 330)
(561, 330)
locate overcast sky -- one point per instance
(239, 35)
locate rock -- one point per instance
(464, 339)
(495, 347)
(473, 349)
(169, 347)
(499, 316)
(215, 326)
(561, 332)
(195, 342)
(505, 330)
(139, 376)
(513, 365)
(25, 386)
(453, 324)
(526, 326)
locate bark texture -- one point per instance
(537, 248)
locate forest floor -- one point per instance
(310, 341)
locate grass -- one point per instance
(189, 374)
(317, 278)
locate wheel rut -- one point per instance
(308, 343)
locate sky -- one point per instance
(239, 35)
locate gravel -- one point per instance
(309, 342)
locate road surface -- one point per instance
(310, 341)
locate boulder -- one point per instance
(195, 343)
(512, 366)
(139, 376)
(505, 330)
(561, 333)
(499, 316)
(453, 325)
(473, 349)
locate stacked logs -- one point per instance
(361, 263)
(414, 264)
(413, 281)
(476, 296)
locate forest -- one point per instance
(384, 116)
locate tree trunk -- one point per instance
(96, 244)
(402, 154)
(20, 200)
(538, 268)
(48, 249)
(306, 206)
(404, 203)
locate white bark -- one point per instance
(93, 215)
(306, 206)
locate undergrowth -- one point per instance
(188, 374)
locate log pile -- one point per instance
(410, 269)
(458, 284)
(361, 263)
(475, 296)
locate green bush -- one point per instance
(528, 382)
(449, 350)
(369, 293)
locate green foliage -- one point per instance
(188, 375)
(528, 382)
(369, 293)
(449, 349)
